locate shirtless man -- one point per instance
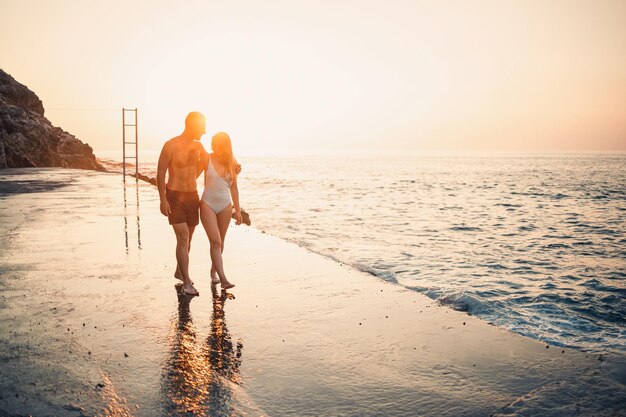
(179, 198)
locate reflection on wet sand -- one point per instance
(126, 217)
(200, 378)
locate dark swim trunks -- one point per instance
(184, 205)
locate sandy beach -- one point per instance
(91, 324)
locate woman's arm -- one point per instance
(203, 161)
(234, 193)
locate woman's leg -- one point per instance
(209, 221)
(223, 221)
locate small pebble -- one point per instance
(562, 351)
(547, 346)
(359, 324)
(83, 324)
(125, 354)
(463, 323)
(386, 317)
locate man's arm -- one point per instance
(164, 162)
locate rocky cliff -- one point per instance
(28, 139)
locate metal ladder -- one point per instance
(127, 140)
(130, 142)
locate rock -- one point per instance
(245, 217)
(28, 139)
(18, 94)
(145, 178)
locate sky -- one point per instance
(341, 74)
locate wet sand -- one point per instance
(91, 324)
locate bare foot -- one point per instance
(227, 285)
(214, 278)
(189, 290)
(178, 275)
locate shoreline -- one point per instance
(304, 337)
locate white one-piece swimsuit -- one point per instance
(216, 189)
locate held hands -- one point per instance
(165, 208)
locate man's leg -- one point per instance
(178, 274)
(182, 252)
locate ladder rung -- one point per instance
(133, 158)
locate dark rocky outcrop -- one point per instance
(28, 139)
(145, 178)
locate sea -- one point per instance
(531, 242)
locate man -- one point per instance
(179, 198)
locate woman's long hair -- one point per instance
(223, 151)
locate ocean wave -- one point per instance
(465, 229)
(385, 275)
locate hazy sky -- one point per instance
(531, 74)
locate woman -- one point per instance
(220, 184)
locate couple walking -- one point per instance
(184, 159)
